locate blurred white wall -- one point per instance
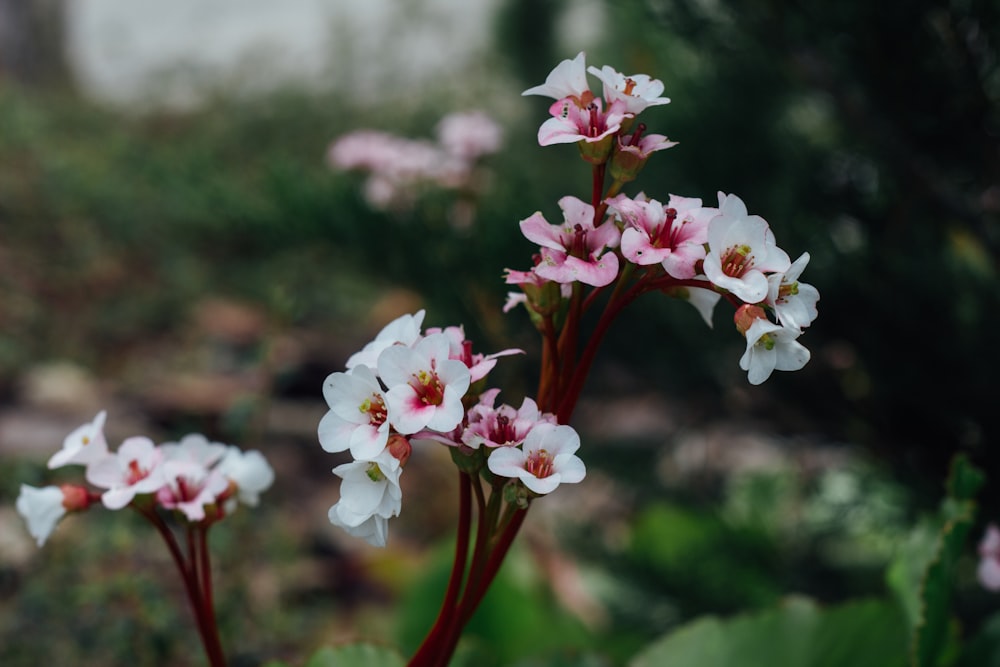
(173, 52)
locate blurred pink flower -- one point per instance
(989, 559)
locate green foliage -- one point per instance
(367, 655)
(799, 633)
(914, 628)
(518, 617)
(351, 655)
(703, 560)
(923, 575)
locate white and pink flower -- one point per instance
(133, 470)
(545, 460)
(358, 416)
(673, 235)
(741, 250)
(425, 384)
(571, 123)
(461, 350)
(189, 486)
(501, 426)
(575, 250)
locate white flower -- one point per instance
(425, 386)
(794, 303)
(404, 330)
(194, 447)
(771, 347)
(545, 460)
(84, 445)
(369, 496)
(42, 509)
(357, 419)
(741, 248)
(637, 91)
(249, 471)
(568, 79)
(134, 469)
(374, 529)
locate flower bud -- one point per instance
(745, 316)
(400, 448)
(75, 498)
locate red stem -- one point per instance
(193, 586)
(550, 362)
(213, 644)
(429, 653)
(497, 555)
(597, 189)
(581, 369)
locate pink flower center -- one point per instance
(187, 489)
(430, 390)
(504, 431)
(539, 464)
(667, 235)
(737, 261)
(135, 472)
(375, 408)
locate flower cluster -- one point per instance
(410, 387)
(679, 247)
(200, 480)
(398, 168)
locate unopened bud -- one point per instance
(746, 315)
(400, 448)
(75, 498)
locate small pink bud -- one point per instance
(75, 498)
(400, 448)
(745, 316)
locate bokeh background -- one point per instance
(175, 248)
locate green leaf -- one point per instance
(923, 574)
(356, 655)
(965, 479)
(799, 633)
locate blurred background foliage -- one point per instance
(867, 134)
